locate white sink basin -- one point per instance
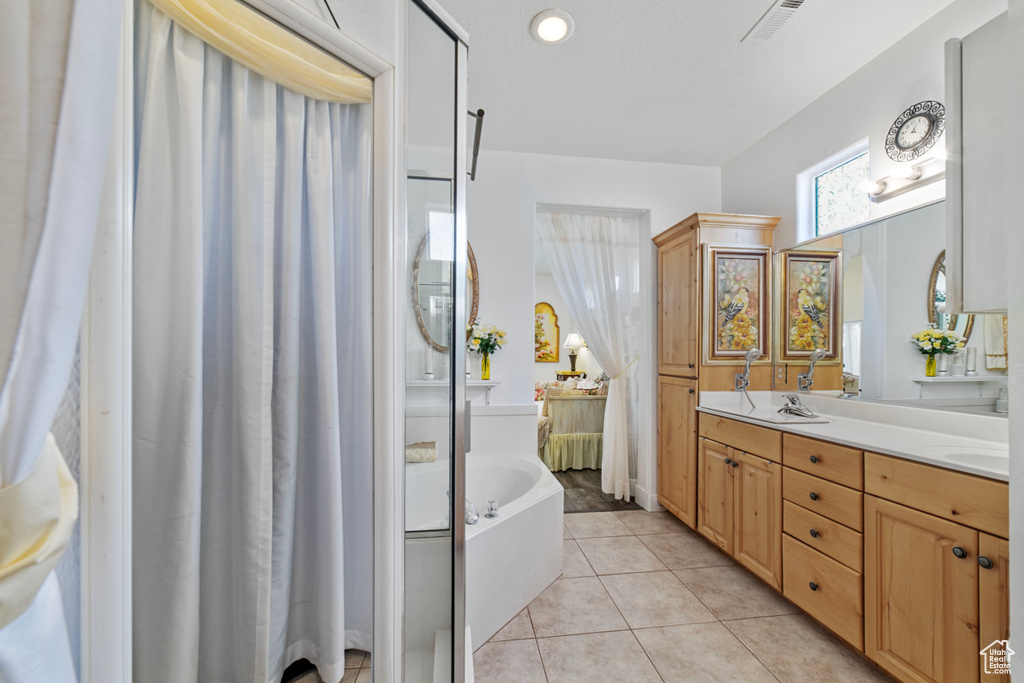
(996, 459)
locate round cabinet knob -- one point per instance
(814, 458)
(692, 391)
(728, 461)
(814, 533)
(814, 496)
(690, 364)
(734, 463)
(985, 562)
(813, 586)
(959, 552)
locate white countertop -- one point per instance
(972, 443)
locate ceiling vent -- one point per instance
(773, 20)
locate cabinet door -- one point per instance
(757, 519)
(993, 598)
(920, 598)
(679, 306)
(715, 494)
(677, 447)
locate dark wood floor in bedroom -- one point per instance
(583, 493)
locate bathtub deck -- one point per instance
(583, 493)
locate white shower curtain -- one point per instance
(58, 76)
(253, 442)
(595, 261)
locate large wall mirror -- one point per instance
(887, 264)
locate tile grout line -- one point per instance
(740, 640)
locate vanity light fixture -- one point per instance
(906, 177)
(552, 26)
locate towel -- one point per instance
(424, 451)
(995, 342)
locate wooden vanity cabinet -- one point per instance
(993, 595)
(935, 589)
(681, 333)
(921, 598)
(677, 447)
(907, 562)
(679, 305)
(739, 508)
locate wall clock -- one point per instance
(915, 131)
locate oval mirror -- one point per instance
(432, 295)
(937, 315)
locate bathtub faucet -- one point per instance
(472, 516)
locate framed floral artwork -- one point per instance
(810, 297)
(545, 333)
(737, 311)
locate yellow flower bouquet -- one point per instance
(931, 342)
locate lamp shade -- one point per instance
(573, 341)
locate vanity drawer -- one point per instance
(827, 590)
(840, 464)
(832, 538)
(827, 498)
(976, 502)
(761, 441)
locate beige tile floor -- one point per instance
(644, 598)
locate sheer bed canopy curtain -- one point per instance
(595, 262)
(252, 406)
(58, 75)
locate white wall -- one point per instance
(502, 204)
(763, 178)
(544, 289)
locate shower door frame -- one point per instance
(106, 389)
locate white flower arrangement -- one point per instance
(485, 339)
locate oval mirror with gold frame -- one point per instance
(432, 296)
(937, 303)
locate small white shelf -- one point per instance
(947, 378)
(485, 384)
(979, 380)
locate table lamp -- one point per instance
(573, 342)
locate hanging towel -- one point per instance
(995, 342)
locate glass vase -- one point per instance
(485, 367)
(929, 368)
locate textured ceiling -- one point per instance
(664, 80)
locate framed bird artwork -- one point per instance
(810, 304)
(737, 310)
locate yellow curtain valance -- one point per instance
(270, 50)
(37, 516)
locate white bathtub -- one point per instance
(509, 560)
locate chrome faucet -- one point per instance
(472, 516)
(795, 407)
(743, 378)
(804, 381)
(492, 509)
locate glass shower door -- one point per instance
(435, 352)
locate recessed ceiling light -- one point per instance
(552, 26)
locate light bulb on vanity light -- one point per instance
(906, 172)
(873, 187)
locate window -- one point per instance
(839, 202)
